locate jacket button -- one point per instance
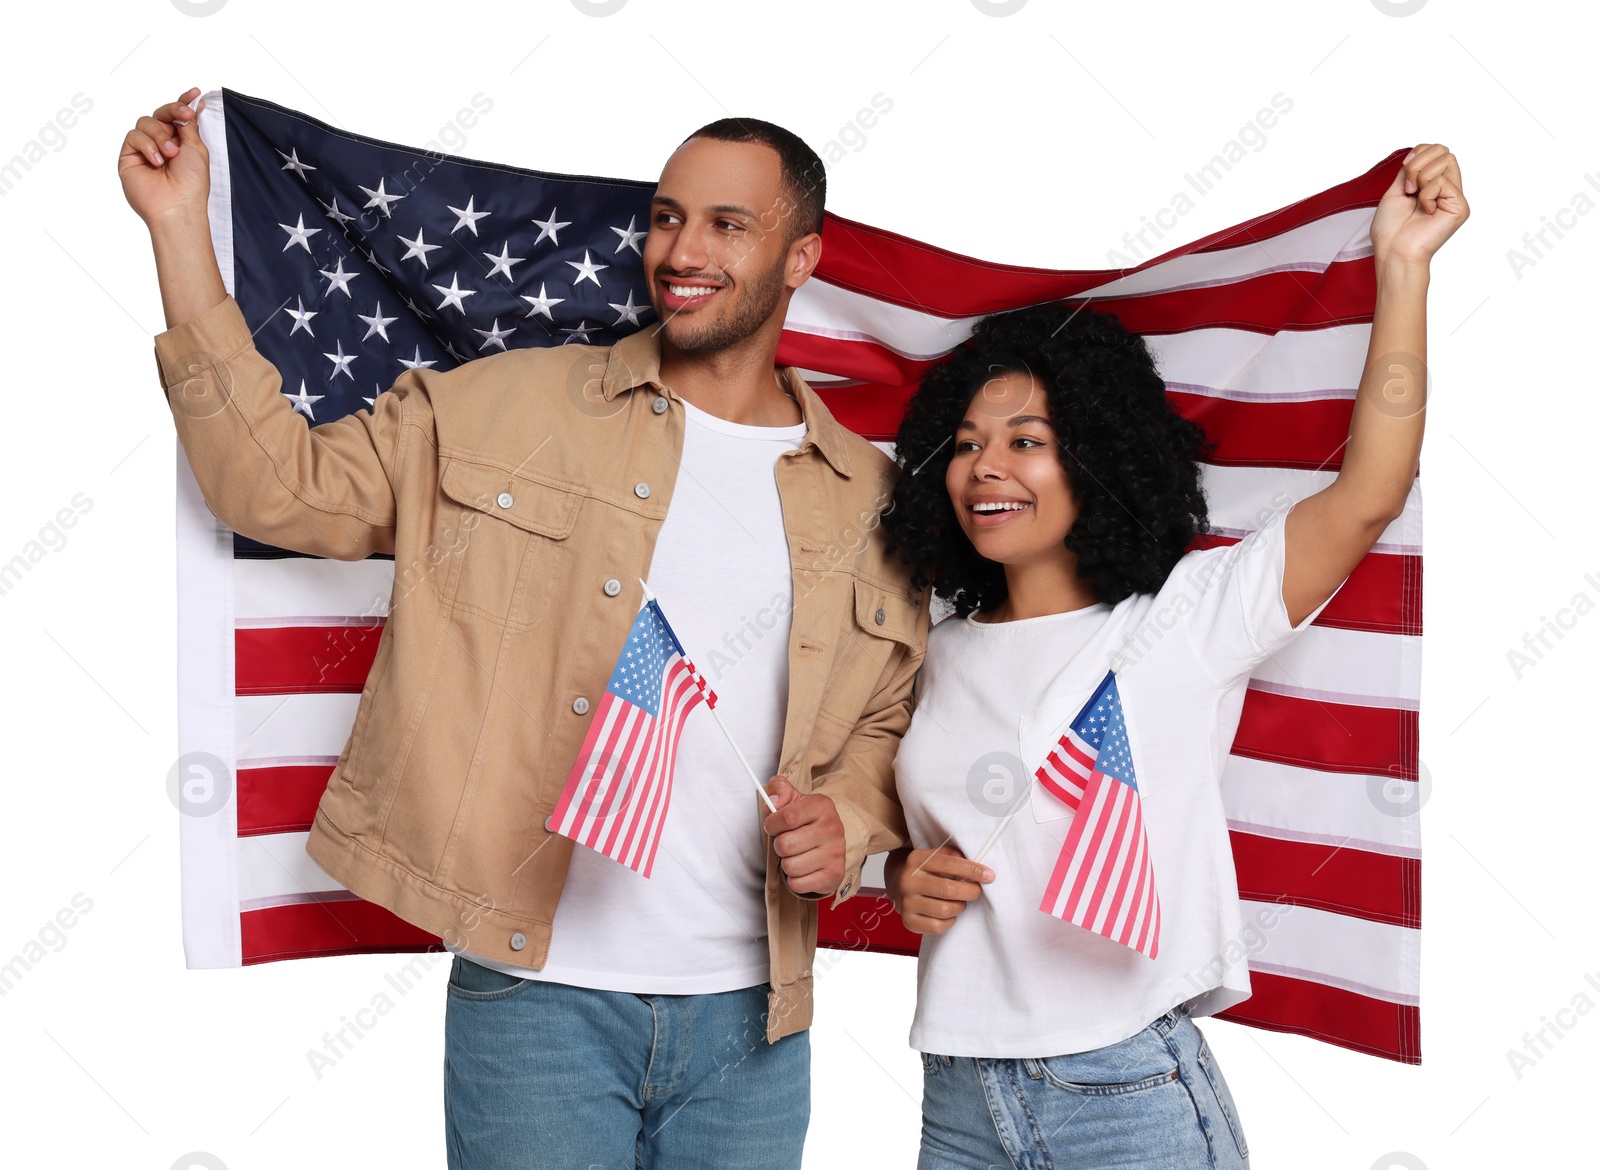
(659, 405)
(504, 499)
(642, 490)
(580, 705)
(518, 941)
(878, 617)
(613, 587)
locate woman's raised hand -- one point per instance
(1422, 208)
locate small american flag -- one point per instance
(1103, 880)
(616, 796)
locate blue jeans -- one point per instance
(545, 1076)
(1156, 1100)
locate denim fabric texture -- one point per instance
(546, 1076)
(1156, 1100)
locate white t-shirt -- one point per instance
(721, 573)
(1007, 979)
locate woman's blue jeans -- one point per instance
(545, 1076)
(1156, 1100)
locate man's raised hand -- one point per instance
(164, 167)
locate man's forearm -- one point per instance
(186, 266)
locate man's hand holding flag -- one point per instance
(617, 794)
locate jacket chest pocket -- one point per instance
(879, 621)
(511, 540)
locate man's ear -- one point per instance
(804, 255)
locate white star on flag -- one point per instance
(331, 210)
(466, 218)
(377, 322)
(302, 317)
(630, 238)
(586, 270)
(339, 279)
(503, 262)
(630, 311)
(341, 362)
(494, 335)
(299, 234)
(291, 162)
(417, 247)
(542, 303)
(454, 294)
(380, 198)
(549, 227)
(302, 401)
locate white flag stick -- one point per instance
(1005, 820)
(760, 787)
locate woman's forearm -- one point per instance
(1380, 459)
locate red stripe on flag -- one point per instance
(865, 924)
(915, 275)
(1359, 882)
(292, 660)
(1346, 1018)
(871, 410)
(1310, 435)
(1383, 594)
(280, 799)
(349, 926)
(863, 361)
(1270, 302)
(1333, 737)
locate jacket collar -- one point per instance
(636, 361)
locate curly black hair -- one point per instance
(1130, 458)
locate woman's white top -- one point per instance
(1009, 980)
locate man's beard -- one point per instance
(755, 307)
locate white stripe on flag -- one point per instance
(276, 864)
(293, 725)
(1307, 247)
(1247, 366)
(1370, 958)
(278, 590)
(1304, 804)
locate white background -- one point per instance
(1036, 138)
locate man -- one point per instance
(595, 1018)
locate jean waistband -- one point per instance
(1169, 1021)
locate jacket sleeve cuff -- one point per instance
(201, 343)
(856, 834)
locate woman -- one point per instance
(1049, 492)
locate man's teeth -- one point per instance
(998, 507)
(684, 290)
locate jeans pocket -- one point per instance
(1219, 1087)
(474, 981)
(1142, 1061)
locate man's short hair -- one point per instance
(801, 169)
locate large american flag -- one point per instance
(617, 794)
(1261, 331)
(1103, 880)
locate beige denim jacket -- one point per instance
(516, 494)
